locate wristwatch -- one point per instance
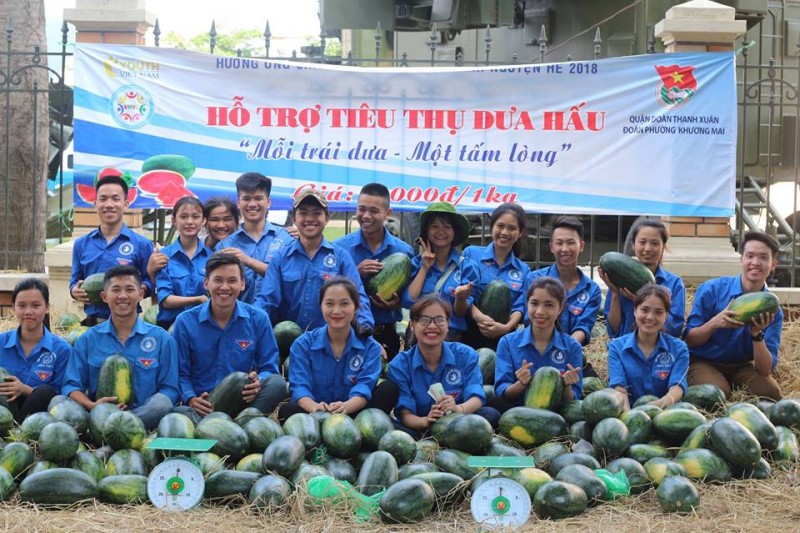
(758, 337)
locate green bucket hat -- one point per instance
(459, 221)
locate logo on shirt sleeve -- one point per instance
(148, 344)
(453, 377)
(245, 344)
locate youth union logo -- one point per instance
(131, 106)
(677, 86)
(356, 362)
(453, 377)
(126, 248)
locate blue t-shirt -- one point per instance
(580, 308)
(44, 366)
(729, 345)
(458, 372)
(291, 287)
(674, 324)
(519, 345)
(359, 250)
(628, 367)
(150, 350)
(208, 353)
(465, 271)
(512, 273)
(272, 239)
(92, 254)
(316, 373)
(181, 277)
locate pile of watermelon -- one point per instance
(68, 454)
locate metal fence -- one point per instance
(767, 94)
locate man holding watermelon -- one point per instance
(111, 244)
(148, 348)
(369, 246)
(726, 351)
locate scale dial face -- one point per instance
(501, 503)
(175, 485)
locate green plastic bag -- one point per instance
(616, 484)
(329, 490)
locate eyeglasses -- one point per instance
(425, 321)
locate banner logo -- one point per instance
(677, 86)
(131, 106)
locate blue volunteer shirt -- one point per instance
(181, 277)
(512, 273)
(150, 350)
(728, 345)
(272, 239)
(92, 254)
(674, 323)
(359, 250)
(44, 366)
(291, 287)
(519, 345)
(465, 271)
(628, 367)
(315, 372)
(208, 353)
(458, 372)
(580, 308)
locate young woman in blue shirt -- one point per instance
(649, 361)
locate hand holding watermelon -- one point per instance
(12, 388)
(758, 323)
(369, 267)
(250, 390)
(201, 405)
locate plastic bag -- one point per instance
(616, 484)
(329, 490)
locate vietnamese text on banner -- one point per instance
(653, 134)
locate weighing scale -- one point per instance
(177, 484)
(500, 502)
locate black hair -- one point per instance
(426, 301)
(252, 182)
(638, 224)
(114, 180)
(119, 272)
(221, 201)
(651, 289)
(220, 259)
(348, 285)
(760, 236)
(187, 200)
(377, 189)
(522, 221)
(37, 284)
(568, 222)
(554, 288)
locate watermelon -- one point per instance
(412, 469)
(342, 470)
(486, 358)
(227, 397)
(342, 437)
(378, 472)
(440, 429)
(176, 426)
(33, 425)
(307, 471)
(247, 414)
(88, 463)
(698, 438)
(455, 462)
(123, 489)
(531, 427)
(500, 447)
(406, 501)
(557, 499)
(232, 440)
(227, 483)
(261, 432)
(93, 285)
(625, 272)
(126, 462)
(585, 478)
(58, 486)
(605, 403)
(757, 422)
(734, 443)
(304, 427)
(495, 302)
(392, 278)
(150, 315)
(644, 400)
(677, 494)
(400, 445)
(123, 430)
(66, 321)
(173, 162)
(639, 424)
(75, 333)
(97, 420)
(544, 389)
(704, 465)
(250, 463)
(584, 446)
(58, 442)
(635, 472)
(544, 454)
(752, 304)
(447, 487)
(283, 456)
(648, 409)
(591, 384)
(674, 425)
(38, 466)
(786, 413)
(761, 470)
(705, 396)
(209, 463)
(644, 452)
(572, 458)
(7, 485)
(286, 333)
(469, 433)
(531, 479)
(659, 468)
(580, 431)
(787, 450)
(611, 436)
(72, 413)
(269, 492)
(15, 458)
(682, 405)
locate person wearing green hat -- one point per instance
(439, 267)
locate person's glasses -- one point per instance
(426, 320)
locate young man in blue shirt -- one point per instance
(111, 244)
(290, 290)
(255, 242)
(368, 246)
(149, 349)
(222, 336)
(724, 351)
